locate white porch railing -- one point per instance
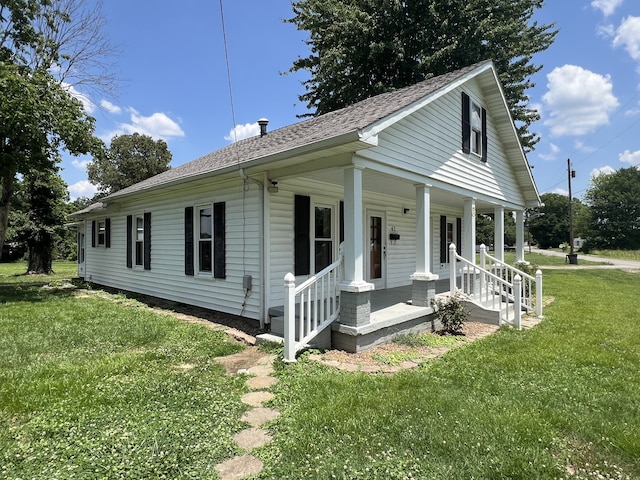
(504, 288)
(310, 307)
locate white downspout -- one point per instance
(261, 225)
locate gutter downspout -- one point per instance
(261, 224)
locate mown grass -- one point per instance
(15, 273)
(618, 254)
(559, 401)
(92, 388)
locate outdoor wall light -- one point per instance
(405, 211)
(273, 188)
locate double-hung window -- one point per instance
(205, 239)
(323, 237)
(102, 229)
(474, 128)
(139, 240)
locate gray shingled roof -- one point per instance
(334, 124)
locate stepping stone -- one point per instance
(252, 438)
(257, 416)
(266, 360)
(239, 467)
(261, 370)
(348, 367)
(260, 383)
(256, 399)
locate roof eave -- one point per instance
(355, 137)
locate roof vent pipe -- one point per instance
(263, 122)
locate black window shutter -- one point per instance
(301, 226)
(129, 241)
(466, 123)
(147, 241)
(484, 135)
(219, 242)
(188, 241)
(443, 239)
(93, 233)
(459, 235)
(107, 233)
(341, 221)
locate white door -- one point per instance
(376, 249)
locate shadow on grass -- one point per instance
(32, 293)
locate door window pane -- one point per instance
(323, 238)
(376, 247)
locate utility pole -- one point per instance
(570, 174)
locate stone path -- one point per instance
(260, 365)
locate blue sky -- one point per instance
(175, 85)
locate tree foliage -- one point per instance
(614, 202)
(360, 48)
(130, 159)
(38, 217)
(38, 113)
(549, 224)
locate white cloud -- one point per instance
(582, 147)
(628, 35)
(240, 132)
(632, 158)
(578, 100)
(606, 170)
(81, 164)
(110, 107)
(606, 31)
(83, 188)
(87, 104)
(157, 125)
(607, 7)
(561, 191)
(554, 150)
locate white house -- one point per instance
(396, 178)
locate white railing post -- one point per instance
(289, 318)
(539, 293)
(452, 267)
(517, 301)
(483, 256)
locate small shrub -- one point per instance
(451, 313)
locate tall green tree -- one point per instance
(129, 159)
(549, 224)
(360, 48)
(38, 220)
(614, 202)
(39, 116)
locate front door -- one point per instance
(377, 249)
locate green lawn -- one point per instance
(561, 398)
(13, 273)
(96, 388)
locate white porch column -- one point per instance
(423, 229)
(424, 286)
(469, 236)
(498, 236)
(519, 235)
(353, 224)
(355, 300)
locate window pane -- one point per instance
(206, 226)
(476, 123)
(323, 222)
(204, 248)
(139, 253)
(323, 254)
(101, 232)
(139, 229)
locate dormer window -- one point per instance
(474, 128)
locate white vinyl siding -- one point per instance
(166, 279)
(428, 143)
